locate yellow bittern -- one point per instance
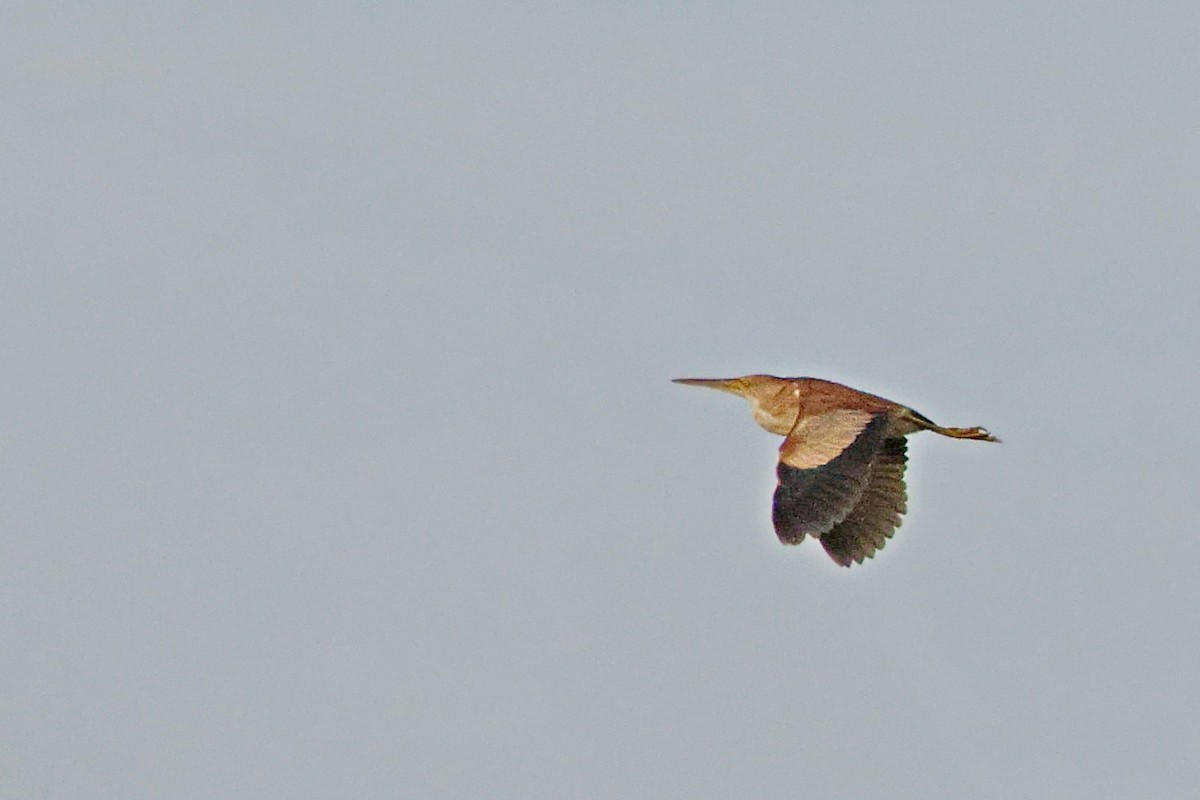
(841, 464)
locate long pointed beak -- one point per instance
(731, 385)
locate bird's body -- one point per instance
(841, 464)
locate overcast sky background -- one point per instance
(338, 453)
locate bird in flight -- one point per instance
(841, 464)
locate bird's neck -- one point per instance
(776, 417)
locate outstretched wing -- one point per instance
(875, 518)
(824, 469)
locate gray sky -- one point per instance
(340, 458)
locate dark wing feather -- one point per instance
(871, 523)
(812, 501)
